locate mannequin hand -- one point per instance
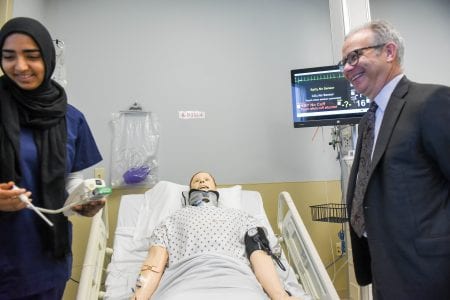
(287, 297)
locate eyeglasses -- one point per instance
(353, 57)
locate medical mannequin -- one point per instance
(158, 257)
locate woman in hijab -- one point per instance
(44, 144)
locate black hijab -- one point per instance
(43, 110)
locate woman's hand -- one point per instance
(9, 198)
(89, 209)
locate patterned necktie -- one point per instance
(365, 161)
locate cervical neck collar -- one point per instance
(200, 197)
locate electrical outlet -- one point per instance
(345, 138)
(338, 249)
(99, 173)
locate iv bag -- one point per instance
(134, 149)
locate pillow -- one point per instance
(160, 201)
(164, 199)
(228, 197)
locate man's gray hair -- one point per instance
(383, 33)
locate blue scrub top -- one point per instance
(25, 269)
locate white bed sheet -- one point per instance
(129, 252)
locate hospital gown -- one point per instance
(207, 256)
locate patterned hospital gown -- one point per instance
(195, 230)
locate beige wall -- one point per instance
(304, 194)
(6, 7)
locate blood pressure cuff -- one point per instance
(256, 239)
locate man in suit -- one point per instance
(400, 222)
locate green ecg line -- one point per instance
(316, 77)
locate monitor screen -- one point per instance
(323, 97)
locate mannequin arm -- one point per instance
(267, 275)
(151, 272)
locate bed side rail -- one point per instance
(96, 250)
(304, 257)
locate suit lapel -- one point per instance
(393, 109)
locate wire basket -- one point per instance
(330, 212)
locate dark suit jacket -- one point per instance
(407, 203)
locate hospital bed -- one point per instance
(140, 213)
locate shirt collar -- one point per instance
(384, 95)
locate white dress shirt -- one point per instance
(382, 100)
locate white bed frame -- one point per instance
(305, 260)
(93, 265)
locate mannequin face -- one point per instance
(22, 61)
(203, 181)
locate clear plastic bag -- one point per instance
(59, 74)
(134, 149)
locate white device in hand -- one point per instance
(88, 190)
